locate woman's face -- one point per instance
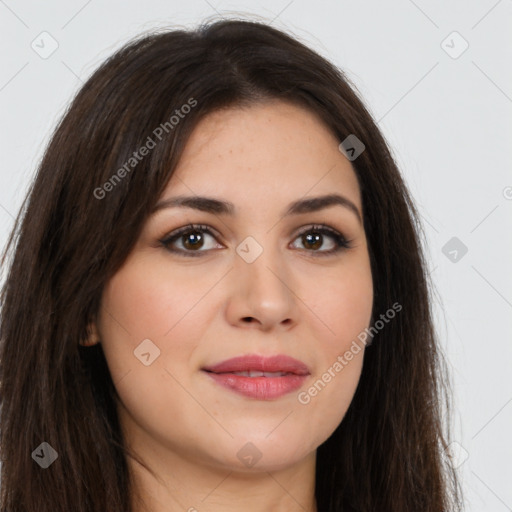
(255, 280)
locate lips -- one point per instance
(262, 378)
(255, 363)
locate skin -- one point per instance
(187, 428)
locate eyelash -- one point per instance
(341, 243)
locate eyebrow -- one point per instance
(218, 207)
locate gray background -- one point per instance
(445, 112)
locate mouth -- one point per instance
(256, 373)
(261, 378)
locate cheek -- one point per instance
(134, 307)
(149, 301)
(340, 355)
(140, 303)
(325, 401)
(144, 301)
(343, 304)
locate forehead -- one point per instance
(274, 150)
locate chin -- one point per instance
(261, 453)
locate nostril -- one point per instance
(248, 319)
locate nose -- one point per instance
(261, 294)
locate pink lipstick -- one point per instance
(262, 378)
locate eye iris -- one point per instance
(193, 240)
(313, 240)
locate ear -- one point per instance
(92, 336)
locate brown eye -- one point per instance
(191, 241)
(314, 238)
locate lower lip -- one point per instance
(261, 388)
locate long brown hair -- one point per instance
(74, 231)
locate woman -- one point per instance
(217, 297)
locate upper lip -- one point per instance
(254, 362)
